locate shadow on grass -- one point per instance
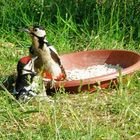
(8, 82)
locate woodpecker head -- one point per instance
(37, 34)
(36, 31)
(26, 66)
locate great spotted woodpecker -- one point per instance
(47, 56)
(27, 82)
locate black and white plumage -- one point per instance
(43, 57)
(27, 82)
(48, 58)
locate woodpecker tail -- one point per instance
(63, 71)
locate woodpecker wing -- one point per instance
(53, 49)
(55, 57)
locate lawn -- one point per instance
(71, 26)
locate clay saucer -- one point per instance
(128, 60)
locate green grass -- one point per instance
(71, 26)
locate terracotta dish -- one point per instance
(128, 60)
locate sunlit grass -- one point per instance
(105, 114)
(70, 26)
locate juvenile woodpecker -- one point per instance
(47, 56)
(26, 86)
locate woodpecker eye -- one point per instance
(35, 29)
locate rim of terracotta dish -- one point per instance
(102, 78)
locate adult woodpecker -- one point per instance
(48, 59)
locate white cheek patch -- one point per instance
(29, 68)
(40, 33)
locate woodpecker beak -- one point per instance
(28, 30)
